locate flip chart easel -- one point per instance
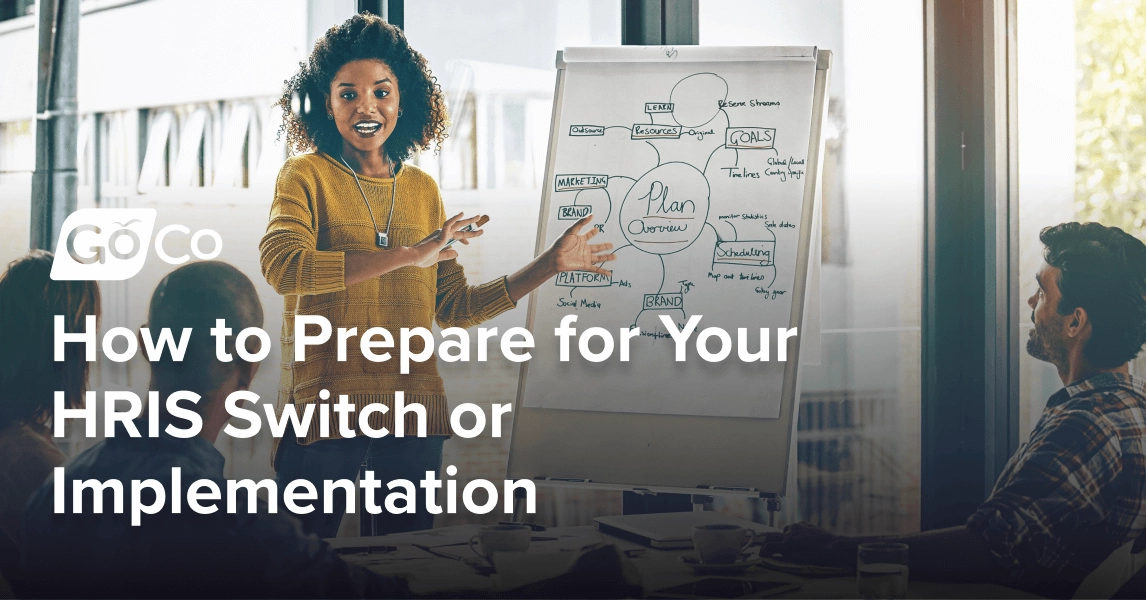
(572, 427)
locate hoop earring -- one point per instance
(399, 112)
(329, 116)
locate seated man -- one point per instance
(184, 554)
(1077, 490)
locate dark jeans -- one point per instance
(389, 457)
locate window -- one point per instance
(229, 144)
(161, 144)
(859, 421)
(1082, 101)
(116, 164)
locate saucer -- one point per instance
(745, 562)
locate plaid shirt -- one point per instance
(1077, 490)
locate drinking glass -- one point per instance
(881, 570)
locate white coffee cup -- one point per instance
(501, 538)
(720, 543)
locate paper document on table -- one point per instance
(566, 542)
(432, 538)
(515, 569)
(441, 577)
(364, 557)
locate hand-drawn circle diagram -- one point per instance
(696, 99)
(665, 210)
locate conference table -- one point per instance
(440, 563)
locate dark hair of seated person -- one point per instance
(29, 379)
(194, 296)
(29, 375)
(1104, 272)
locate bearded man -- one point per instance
(1076, 491)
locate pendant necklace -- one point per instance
(381, 239)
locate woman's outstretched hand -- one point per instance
(573, 252)
(433, 250)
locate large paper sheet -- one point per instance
(695, 171)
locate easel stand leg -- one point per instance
(519, 505)
(366, 523)
(773, 508)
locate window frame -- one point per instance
(970, 325)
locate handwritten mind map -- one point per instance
(695, 173)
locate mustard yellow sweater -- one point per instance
(317, 216)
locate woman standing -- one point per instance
(362, 239)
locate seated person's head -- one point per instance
(29, 373)
(1091, 298)
(195, 296)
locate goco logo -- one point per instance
(110, 244)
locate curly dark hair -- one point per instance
(1104, 272)
(363, 36)
(29, 374)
